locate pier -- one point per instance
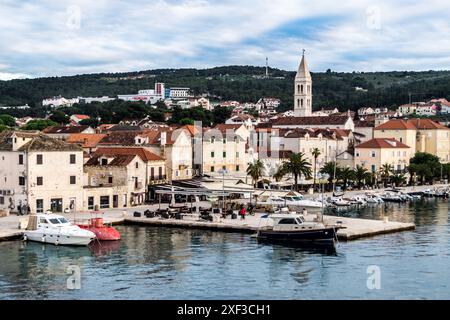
(354, 228)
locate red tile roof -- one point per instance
(411, 124)
(426, 124)
(143, 153)
(86, 140)
(81, 116)
(329, 120)
(382, 143)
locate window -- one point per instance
(40, 181)
(73, 158)
(152, 173)
(20, 158)
(237, 154)
(39, 159)
(287, 221)
(401, 139)
(110, 180)
(212, 169)
(39, 205)
(137, 165)
(373, 154)
(104, 202)
(21, 181)
(73, 180)
(374, 168)
(160, 173)
(213, 139)
(212, 154)
(2, 200)
(224, 168)
(104, 162)
(90, 203)
(224, 154)
(237, 168)
(224, 140)
(177, 173)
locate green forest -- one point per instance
(242, 83)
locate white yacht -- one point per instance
(299, 201)
(56, 229)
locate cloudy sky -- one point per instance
(66, 37)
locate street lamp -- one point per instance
(323, 177)
(223, 171)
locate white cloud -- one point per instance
(42, 37)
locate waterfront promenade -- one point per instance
(354, 228)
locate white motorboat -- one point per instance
(56, 229)
(338, 201)
(372, 198)
(299, 201)
(360, 200)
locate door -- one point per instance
(73, 204)
(56, 205)
(115, 201)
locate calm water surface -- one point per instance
(157, 263)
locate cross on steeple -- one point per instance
(303, 52)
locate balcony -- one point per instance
(158, 179)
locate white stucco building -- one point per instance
(40, 172)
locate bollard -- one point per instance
(386, 219)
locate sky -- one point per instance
(67, 37)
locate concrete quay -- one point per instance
(354, 228)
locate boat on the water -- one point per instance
(56, 229)
(292, 228)
(103, 232)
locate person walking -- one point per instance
(242, 213)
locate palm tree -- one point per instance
(362, 174)
(346, 174)
(398, 179)
(316, 154)
(297, 166)
(328, 169)
(279, 174)
(386, 171)
(256, 170)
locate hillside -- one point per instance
(242, 83)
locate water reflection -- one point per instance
(158, 263)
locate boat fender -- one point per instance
(56, 242)
(43, 239)
(25, 238)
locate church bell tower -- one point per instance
(303, 90)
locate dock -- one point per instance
(355, 228)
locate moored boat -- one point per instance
(293, 228)
(102, 231)
(56, 229)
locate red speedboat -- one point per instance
(104, 232)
